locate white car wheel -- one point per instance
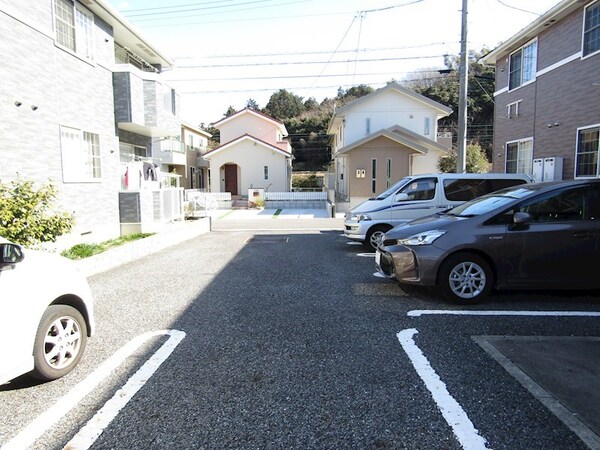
(60, 342)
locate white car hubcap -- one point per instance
(62, 342)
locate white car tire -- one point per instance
(59, 342)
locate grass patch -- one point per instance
(81, 251)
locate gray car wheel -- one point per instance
(59, 343)
(375, 236)
(465, 278)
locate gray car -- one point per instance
(535, 236)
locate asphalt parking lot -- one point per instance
(291, 341)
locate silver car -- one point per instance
(535, 236)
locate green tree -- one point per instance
(443, 85)
(28, 215)
(476, 160)
(284, 105)
(230, 111)
(251, 104)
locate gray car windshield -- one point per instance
(487, 203)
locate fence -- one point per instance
(198, 200)
(309, 200)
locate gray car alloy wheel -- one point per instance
(375, 236)
(466, 278)
(60, 342)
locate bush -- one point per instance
(476, 160)
(27, 213)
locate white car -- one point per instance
(46, 313)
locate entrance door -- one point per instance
(231, 179)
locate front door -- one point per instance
(231, 179)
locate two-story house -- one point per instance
(547, 99)
(381, 137)
(252, 154)
(82, 97)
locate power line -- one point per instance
(275, 77)
(295, 63)
(315, 52)
(175, 6)
(139, 18)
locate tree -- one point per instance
(230, 111)
(477, 161)
(284, 105)
(251, 104)
(28, 215)
(442, 86)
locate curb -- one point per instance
(172, 234)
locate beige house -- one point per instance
(253, 154)
(380, 138)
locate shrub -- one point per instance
(476, 160)
(28, 215)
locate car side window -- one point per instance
(422, 189)
(563, 205)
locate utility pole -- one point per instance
(461, 152)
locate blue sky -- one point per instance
(227, 51)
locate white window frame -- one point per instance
(514, 106)
(583, 30)
(524, 163)
(579, 130)
(81, 29)
(80, 153)
(427, 126)
(533, 70)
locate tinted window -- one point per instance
(420, 189)
(462, 190)
(565, 205)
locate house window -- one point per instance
(519, 156)
(588, 147)
(368, 126)
(591, 29)
(266, 170)
(512, 109)
(80, 155)
(388, 172)
(523, 65)
(427, 126)
(74, 27)
(129, 152)
(374, 176)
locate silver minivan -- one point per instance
(417, 196)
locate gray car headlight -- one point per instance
(424, 238)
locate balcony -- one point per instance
(143, 105)
(170, 151)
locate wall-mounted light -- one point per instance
(18, 103)
(34, 107)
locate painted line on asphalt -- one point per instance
(97, 424)
(27, 436)
(351, 242)
(464, 430)
(426, 312)
(366, 255)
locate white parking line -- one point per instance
(44, 421)
(97, 424)
(464, 430)
(425, 312)
(366, 255)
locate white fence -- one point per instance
(296, 196)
